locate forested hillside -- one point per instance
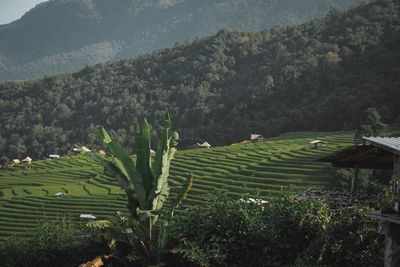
(320, 75)
(62, 35)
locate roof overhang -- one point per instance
(361, 156)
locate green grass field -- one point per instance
(27, 196)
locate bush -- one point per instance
(52, 243)
(226, 232)
(350, 239)
(235, 233)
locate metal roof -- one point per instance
(388, 143)
(317, 141)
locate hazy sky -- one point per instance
(11, 10)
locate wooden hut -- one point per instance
(318, 144)
(256, 138)
(86, 149)
(376, 153)
(54, 156)
(203, 145)
(14, 162)
(27, 160)
(87, 217)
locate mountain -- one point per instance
(320, 75)
(62, 35)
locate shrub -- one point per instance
(226, 232)
(52, 243)
(235, 233)
(350, 239)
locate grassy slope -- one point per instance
(28, 195)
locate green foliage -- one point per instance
(320, 75)
(235, 233)
(370, 125)
(343, 177)
(78, 176)
(350, 239)
(51, 243)
(285, 232)
(4, 160)
(146, 187)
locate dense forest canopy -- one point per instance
(320, 75)
(62, 35)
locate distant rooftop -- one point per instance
(317, 141)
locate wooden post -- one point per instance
(383, 229)
(355, 178)
(396, 167)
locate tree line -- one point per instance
(319, 75)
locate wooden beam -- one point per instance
(356, 156)
(355, 178)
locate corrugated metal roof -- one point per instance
(317, 141)
(390, 143)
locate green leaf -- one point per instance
(180, 196)
(103, 135)
(143, 161)
(126, 165)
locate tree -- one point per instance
(371, 125)
(3, 162)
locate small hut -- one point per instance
(377, 153)
(318, 144)
(256, 138)
(27, 160)
(86, 149)
(54, 156)
(87, 217)
(203, 145)
(14, 162)
(79, 150)
(59, 194)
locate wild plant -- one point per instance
(146, 187)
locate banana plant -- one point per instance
(146, 187)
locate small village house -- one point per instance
(86, 149)
(27, 160)
(79, 150)
(87, 217)
(14, 162)
(256, 138)
(203, 145)
(54, 156)
(318, 144)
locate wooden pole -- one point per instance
(396, 167)
(355, 178)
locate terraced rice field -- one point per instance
(27, 196)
